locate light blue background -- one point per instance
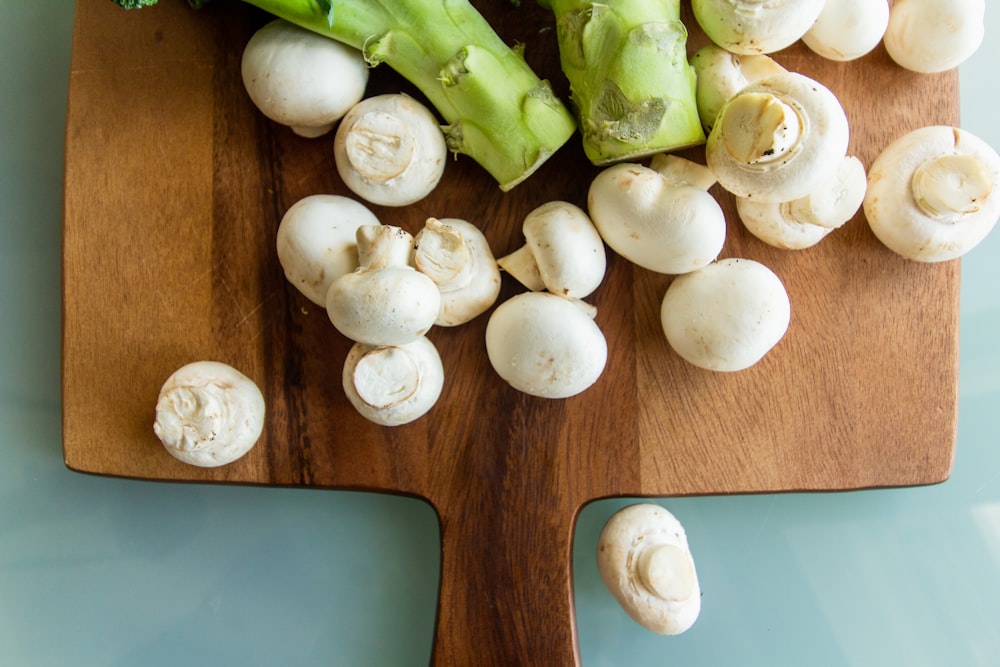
(103, 572)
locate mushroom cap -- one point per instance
(930, 36)
(848, 29)
(545, 345)
(726, 316)
(456, 255)
(209, 414)
(662, 226)
(778, 138)
(301, 79)
(389, 149)
(567, 248)
(393, 385)
(720, 74)
(923, 210)
(755, 26)
(644, 559)
(317, 242)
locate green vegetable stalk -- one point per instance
(626, 62)
(497, 110)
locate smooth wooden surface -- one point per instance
(174, 189)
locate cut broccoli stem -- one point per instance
(630, 81)
(496, 109)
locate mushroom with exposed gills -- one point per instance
(396, 384)
(930, 36)
(455, 254)
(301, 79)
(317, 242)
(721, 74)
(932, 193)
(389, 149)
(546, 345)
(209, 414)
(804, 222)
(385, 301)
(756, 26)
(778, 139)
(644, 559)
(848, 29)
(563, 252)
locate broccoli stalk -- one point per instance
(497, 110)
(630, 81)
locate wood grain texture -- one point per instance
(174, 188)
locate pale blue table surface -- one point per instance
(100, 572)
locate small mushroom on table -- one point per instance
(756, 26)
(393, 385)
(644, 559)
(930, 36)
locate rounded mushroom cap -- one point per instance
(930, 36)
(720, 74)
(301, 79)
(932, 193)
(317, 242)
(393, 385)
(567, 248)
(390, 150)
(755, 26)
(209, 414)
(726, 316)
(848, 29)
(662, 226)
(545, 345)
(778, 138)
(455, 254)
(644, 559)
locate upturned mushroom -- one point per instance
(563, 252)
(389, 149)
(208, 414)
(804, 222)
(455, 254)
(720, 74)
(930, 36)
(301, 79)
(546, 345)
(660, 217)
(848, 29)
(385, 301)
(644, 559)
(317, 242)
(727, 315)
(393, 385)
(756, 26)
(932, 193)
(778, 139)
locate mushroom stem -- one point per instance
(385, 376)
(380, 146)
(442, 254)
(381, 246)
(760, 128)
(665, 570)
(523, 267)
(948, 187)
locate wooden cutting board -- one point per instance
(174, 187)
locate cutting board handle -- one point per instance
(506, 594)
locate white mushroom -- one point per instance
(726, 316)
(563, 252)
(546, 345)
(778, 139)
(393, 385)
(209, 414)
(385, 301)
(932, 193)
(455, 254)
(929, 36)
(660, 217)
(720, 74)
(644, 559)
(317, 242)
(756, 26)
(390, 150)
(848, 29)
(804, 222)
(301, 79)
